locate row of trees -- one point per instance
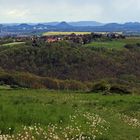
(28, 80)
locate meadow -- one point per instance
(13, 44)
(114, 44)
(65, 115)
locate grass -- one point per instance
(131, 40)
(5, 87)
(43, 114)
(106, 44)
(114, 44)
(13, 44)
(64, 33)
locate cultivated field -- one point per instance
(59, 115)
(64, 33)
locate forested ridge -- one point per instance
(67, 61)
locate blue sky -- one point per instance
(69, 10)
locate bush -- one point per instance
(15, 86)
(132, 46)
(121, 89)
(129, 46)
(72, 85)
(27, 80)
(107, 88)
(102, 86)
(6, 78)
(50, 83)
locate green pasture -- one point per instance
(61, 115)
(114, 44)
(13, 44)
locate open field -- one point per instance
(64, 33)
(117, 44)
(65, 115)
(131, 40)
(9, 46)
(13, 44)
(107, 44)
(5, 87)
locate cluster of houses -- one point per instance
(51, 39)
(115, 36)
(75, 38)
(81, 39)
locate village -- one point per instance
(73, 37)
(81, 39)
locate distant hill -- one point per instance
(51, 23)
(114, 25)
(87, 26)
(86, 23)
(76, 23)
(130, 26)
(24, 25)
(63, 25)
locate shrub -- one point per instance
(129, 46)
(50, 83)
(121, 89)
(72, 85)
(101, 86)
(27, 80)
(132, 46)
(6, 78)
(15, 86)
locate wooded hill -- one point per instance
(69, 61)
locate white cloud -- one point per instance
(16, 13)
(60, 10)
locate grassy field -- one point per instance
(64, 33)
(4, 87)
(59, 115)
(8, 46)
(13, 44)
(106, 44)
(115, 44)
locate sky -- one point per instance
(30, 11)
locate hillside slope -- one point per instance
(66, 61)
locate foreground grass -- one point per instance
(43, 114)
